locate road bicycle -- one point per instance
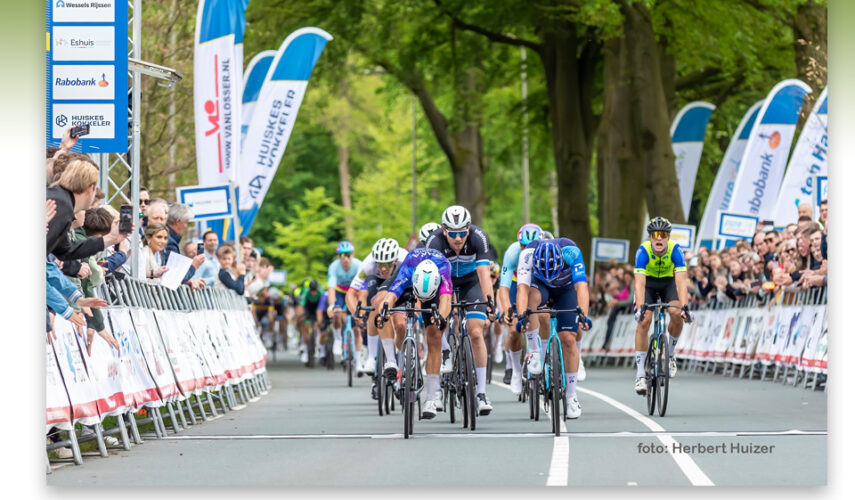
(411, 382)
(656, 366)
(348, 350)
(551, 381)
(383, 388)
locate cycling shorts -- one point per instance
(468, 289)
(339, 301)
(559, 298)
(660, 290)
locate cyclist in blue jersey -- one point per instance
(339, 275)
(552, 272)
(467, 249)
(506, 299)
(425, 275)
(367, 286)
(660, 276)
(426, 231)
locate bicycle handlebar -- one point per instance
(650, 307)
(554, 312)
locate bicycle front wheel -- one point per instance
(488, 342)
(470, 409)
(351, 359)
(556, 384)
(381, 382)
(408, 387)
(664, 378)
(650, 373)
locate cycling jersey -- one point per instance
(403, 280)
(310, 300)
(475, 251)
(572, 273)
(368, 268)
(340, 279)
(653, 266)
(509, 264)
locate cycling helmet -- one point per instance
(456, 217)
(425, 231)
(547, 236)
(344, 247)
(658, 224)
(313, 286)
(494, 269)
(529, 233)
(548, 261)
(426, 280)
(385, 250)
(274, 294)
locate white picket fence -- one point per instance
(183, 355)
(786, 339)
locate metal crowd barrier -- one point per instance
(182, 411)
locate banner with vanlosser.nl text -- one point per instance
(215, 95)
(722, 188)
(253, 77)
(810, 158)
(687, 140)
(274, 116)
(762, 165)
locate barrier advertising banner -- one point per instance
(722, 188)
(215, 96)
(57, 408)
(762, 165)
(274, 116)
(810, 158)
(137, 384)
(154, 353)
(687, 140)
(253, 78)
(81, 391)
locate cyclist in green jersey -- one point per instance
(310, 298)
(660, 275)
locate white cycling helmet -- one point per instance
(425, 231)
(456, 217)
(547, 235)
(426, 280)
(385, 250)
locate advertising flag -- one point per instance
(215, 97)
(722, 188)
(253, 77)
(762, 165)
(687, 140)
(274, 116)
(240, 28)
(810, 158)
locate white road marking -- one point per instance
(560, 462)
(690, 469)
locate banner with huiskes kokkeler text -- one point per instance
(762, 165)
(253, 78)
(810, 158)
(722, 188)
(274, 116)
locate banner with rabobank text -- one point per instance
(253, 78)
(274, 116)
(762, 165)
(215, 95)
(687, 140)
(722, 188)
(810, 157)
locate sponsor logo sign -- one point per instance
(732, 225)
(96, 82)
(207, 202)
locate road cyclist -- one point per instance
(340, 273)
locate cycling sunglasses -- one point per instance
(659, 235)
(458, 234)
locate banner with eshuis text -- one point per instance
(687, 141)
(722, 188)
(274, 116)
(810, 158)
(762, 165)
(215, 96)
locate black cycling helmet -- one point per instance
(658, 224)
(313, 285)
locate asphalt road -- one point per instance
(718, 431)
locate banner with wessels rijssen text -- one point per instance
(762, 165)
(215, 92)
(687, 140)
(274, 116)
(810, 157)
(722, 188)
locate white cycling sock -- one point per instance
(337, 333)
(508, 362)
(533, 344)
(570, 381)
(373, 342)
(322, 350)
(480, 380)
(431, 384)
(672, 345)
(388, 349)
(445, 346)
(515, 360)
(640, 357)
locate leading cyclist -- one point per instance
(467, 248)
(660, 275)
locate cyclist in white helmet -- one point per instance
(426, 231)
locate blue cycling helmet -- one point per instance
(548, 261)
(344, 247)
(529, 233)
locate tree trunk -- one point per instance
(618, 158)
(650, 116)
(344, 183)
(571, 146)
